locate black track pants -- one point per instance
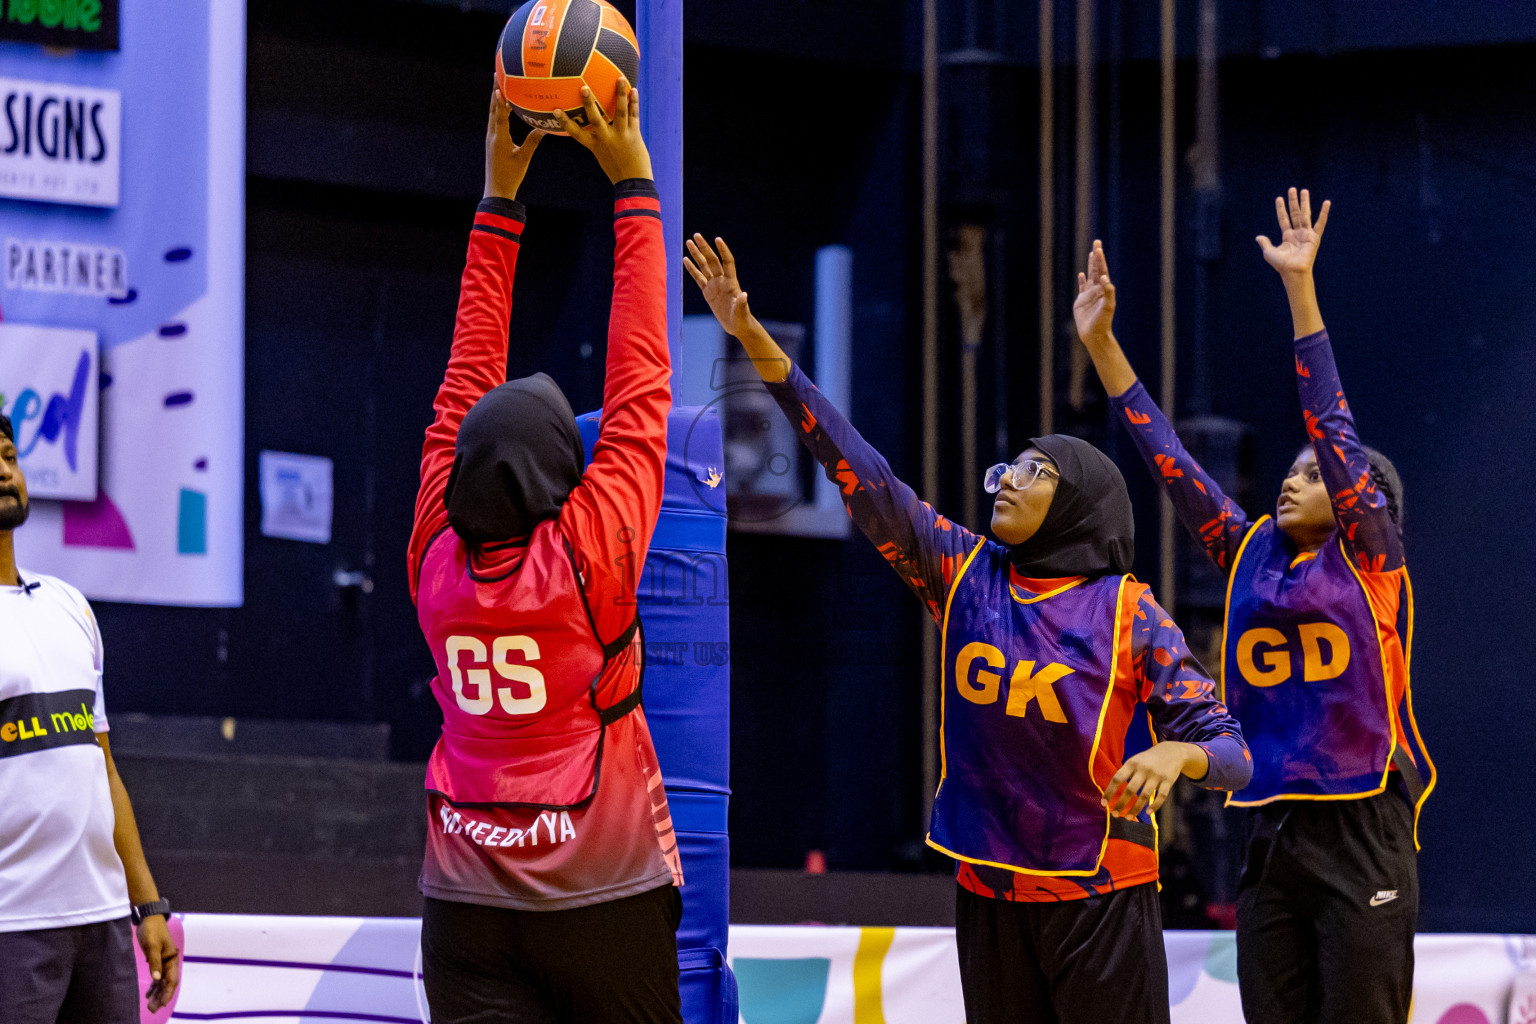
(1098, 960)
(1326, 912)
(610, 962)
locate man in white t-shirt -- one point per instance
(72, 871)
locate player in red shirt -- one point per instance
(551, 868)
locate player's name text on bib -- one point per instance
(547, 829)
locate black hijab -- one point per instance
(517, 458)
(1088, 530)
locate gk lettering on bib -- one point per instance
(1027, 679)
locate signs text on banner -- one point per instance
(59, 143)
(49, 381)
(77, 24)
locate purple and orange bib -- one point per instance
(1305, 673)
(1027, 680)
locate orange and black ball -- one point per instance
(551, 48)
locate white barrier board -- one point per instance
(299, 970)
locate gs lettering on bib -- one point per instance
(1303, 673)
(1026, 681)
(518, 669)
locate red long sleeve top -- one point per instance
(622, 842)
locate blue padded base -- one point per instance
(699, 820)
(708, 987)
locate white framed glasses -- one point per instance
(1023, 472)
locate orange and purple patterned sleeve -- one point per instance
(1213, 518)
(926, 549)
(1359, 507)
(1181, 697)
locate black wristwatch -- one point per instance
(161, 906)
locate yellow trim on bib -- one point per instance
(1226, 612)
(1305, 796)
(1413, 722)
(1382, 660)
(1051, 593)
(1429, 783)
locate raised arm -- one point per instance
(1197, 735)
(1359, 508)
(611, 515)
(478, 360)
(924, 548)
(1213, 518)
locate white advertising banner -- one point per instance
(812, 975)
(49, 387)
(122, 200)
(294, 970)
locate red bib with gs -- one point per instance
(521, 677)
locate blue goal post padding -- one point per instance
(684, 605)
(698, 820)
(707, 987)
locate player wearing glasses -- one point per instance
(1048, 648)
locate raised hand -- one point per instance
(1299, 237)
(619, 148)
(506, 163)
(716, 278)
(1094, 309)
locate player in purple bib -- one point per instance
(1319, 627)
(1062, 651)
(1323, 721)
(1049, 646)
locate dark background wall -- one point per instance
(364, 160)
